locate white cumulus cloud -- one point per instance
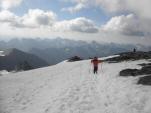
(7, 4)
(7, 16)
(80, 24)
(128, 25)
(34, 18)
(37, 17)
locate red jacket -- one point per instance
(95, 62)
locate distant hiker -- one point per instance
(95, 62)
(134, 50)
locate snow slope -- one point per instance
(3, 72)
(71, 87)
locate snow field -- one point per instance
(71, 87)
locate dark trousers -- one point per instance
(95, 70)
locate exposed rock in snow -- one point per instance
(145, 64)
(146, 80)
(75, 58)
(145, 70)
(130, 56)
(129, 72)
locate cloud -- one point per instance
(7, 16)
(108, 5)
(74, 9)
(111, 5)
(34, 18)
(128, 25)
(77, 25)
(37, 17)
(79, 5)
(7, 4)
(139, 7)
(137, 23)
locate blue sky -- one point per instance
(116, 21)
(93, 13)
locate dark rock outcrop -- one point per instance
(75, 58)
(146, 80)
(145, 70)
(145, 64)
(130, 56)
(129, 72)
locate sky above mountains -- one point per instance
(120, 21)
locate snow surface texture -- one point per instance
(3, 72)
(71, 87)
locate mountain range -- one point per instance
(56, 50)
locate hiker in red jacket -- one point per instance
(95, 62)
